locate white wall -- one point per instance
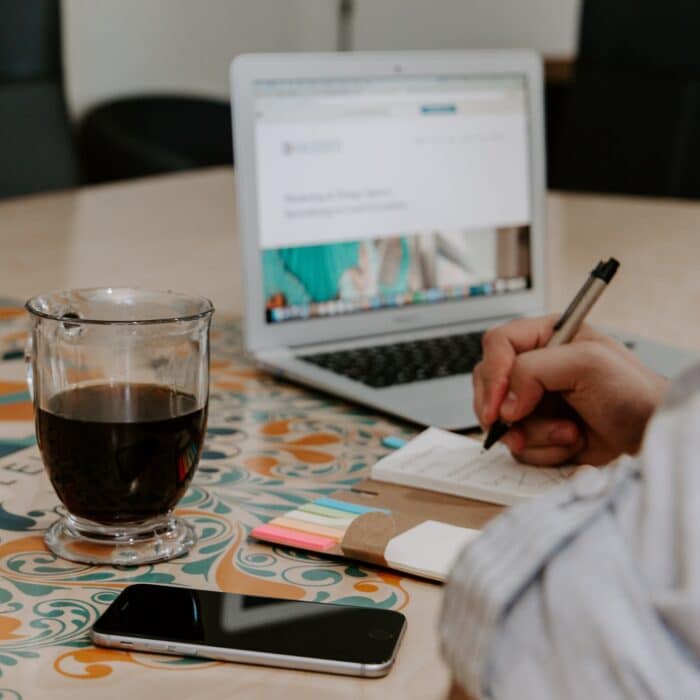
(547, 25)
(121, 47)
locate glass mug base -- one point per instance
(147, 542)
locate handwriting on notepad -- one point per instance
(495, 467)
(449, 463)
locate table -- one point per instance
(270, 445)
(176, 232)
(179, 231)
(657, 289)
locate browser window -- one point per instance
(382, 192)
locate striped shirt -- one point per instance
(592, 591)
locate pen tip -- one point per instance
(496, 432)
(488, 442)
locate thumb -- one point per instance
(558, 369)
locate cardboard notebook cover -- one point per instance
(368, 535)
(416, 531)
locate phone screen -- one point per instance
(251, 623)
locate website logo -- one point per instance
(314, 147)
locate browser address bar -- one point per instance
(418, 97)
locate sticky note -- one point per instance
(317, 509)
(393, 442)
(294, 538)
(339, 524)
(347, 507)
(313, 529)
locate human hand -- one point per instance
(586, 402)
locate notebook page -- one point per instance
(442, 461)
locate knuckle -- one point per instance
(595, 353)
(523, 367)
(491, 334)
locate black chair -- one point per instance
(629, 122)
(37, 152)
(145, 135)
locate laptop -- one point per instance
(391, 210)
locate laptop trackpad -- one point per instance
(445, 402)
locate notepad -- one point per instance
(429, 549)
(377, 535)
(441, 461)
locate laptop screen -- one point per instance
(383, 192)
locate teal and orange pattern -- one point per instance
(270, 447)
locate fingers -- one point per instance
(502, 343)
(489, 392)
(507, 384)
(500, 347)
(549, 456)
(545, 442)
(593, 380)
(559, 369)
(536, 432)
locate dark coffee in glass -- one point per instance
(155, 438)
(120, 382)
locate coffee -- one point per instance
(120, 453)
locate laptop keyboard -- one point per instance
(381, 366)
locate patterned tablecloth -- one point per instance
(269, 447)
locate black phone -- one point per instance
(343, 639)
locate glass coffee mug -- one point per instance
(120, 384)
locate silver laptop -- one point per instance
(391, 210)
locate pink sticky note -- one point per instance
(294, 538)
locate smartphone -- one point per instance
(355, 641)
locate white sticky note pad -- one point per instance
(441, 461)
(429, 549)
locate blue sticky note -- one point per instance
(393, 442)
(347, 507)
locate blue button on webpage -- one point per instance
(438, 109)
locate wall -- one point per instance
(547, 25)
(120, 47)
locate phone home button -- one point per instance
(381, 635)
